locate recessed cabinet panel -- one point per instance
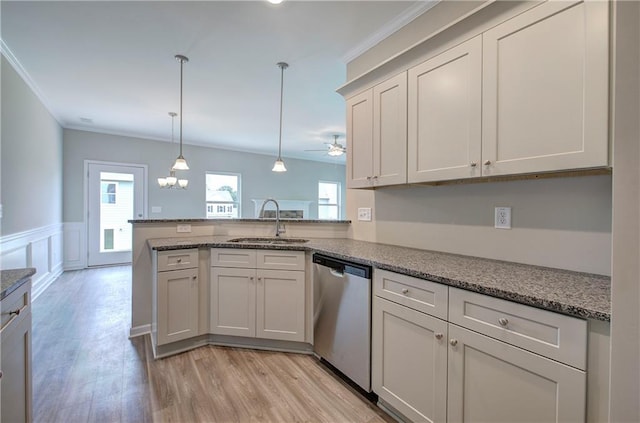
(360, 140)
(409, 361)
(418, 294)
(280, 305)
(233, 257)
(233, 301)
(444, 115)
(553, 335)
(545, 90)
(390, 131)
(280, 259)
(177, 259)
(177, 305)
(491, 381)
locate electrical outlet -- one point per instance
(364, 214)
(183, 228)
(503, 218)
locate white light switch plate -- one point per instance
(364, 214)
(183, 228)
(503, 218)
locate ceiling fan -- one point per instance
(335, 148)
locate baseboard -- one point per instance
(42, 284)
(139, 331)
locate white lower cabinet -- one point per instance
(176, 315)
(259, 301)
(492, 370)
(409, 361)
(491, 381)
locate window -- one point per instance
(223, 195)
(108, 190)
(329, 200)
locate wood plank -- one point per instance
(87, 370)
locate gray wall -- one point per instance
(300, 182)
(31, 155)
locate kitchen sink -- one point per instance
(269, 240)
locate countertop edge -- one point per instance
(242, 220)
(545, 304)
(13, 279)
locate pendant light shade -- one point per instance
(279, 164)
(181, 163)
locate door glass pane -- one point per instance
(116, 209)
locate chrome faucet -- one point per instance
(261, 214)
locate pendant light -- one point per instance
(279, 164)
(181, 163)
(171, 180)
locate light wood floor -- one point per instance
(85, 369)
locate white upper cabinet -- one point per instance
(445, 115)
(390, 131)
(545, 90)
(377, 135)
(360, 140)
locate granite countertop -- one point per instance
(573, 293)
(264, 220)
(13, 279)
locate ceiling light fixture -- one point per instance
(181, 163)
(171, 180)
(278, 166)
(275, 1)
(335, 149)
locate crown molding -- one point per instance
(22, 72)
(398, 22)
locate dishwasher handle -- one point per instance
(337, 273)
(342, 266)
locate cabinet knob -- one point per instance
(194, 277)
(250, 278)
(439, 335)
(374, 177)
(503, 321)
(473, 164)
(405, 291)
(179, 260)
(487, 163)
(368, 178)
(453, 342)
(0, 374)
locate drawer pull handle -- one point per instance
(439, 336)
(453, 342)
(16, 312)
(405, 291)
(503, 321)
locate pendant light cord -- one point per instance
(283, 66)
(181, 65)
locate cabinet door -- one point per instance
(545, 90)
(360, 140)
(409, 361)
(445, 115)
(390, 131)
(16, 370)
(490, 381)
(280, 305)
(177, 305)
(233, 301)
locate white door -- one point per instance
(115, 194)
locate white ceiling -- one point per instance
(113, 62)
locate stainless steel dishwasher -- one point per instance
(342, 317)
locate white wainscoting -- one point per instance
(40, 248)
(75, 245)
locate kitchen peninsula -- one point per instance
(535, 311)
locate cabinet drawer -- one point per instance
(177, 259)
(18, 300)
(280, 260)
(233, 257)
(418, 294)
(550, 334)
